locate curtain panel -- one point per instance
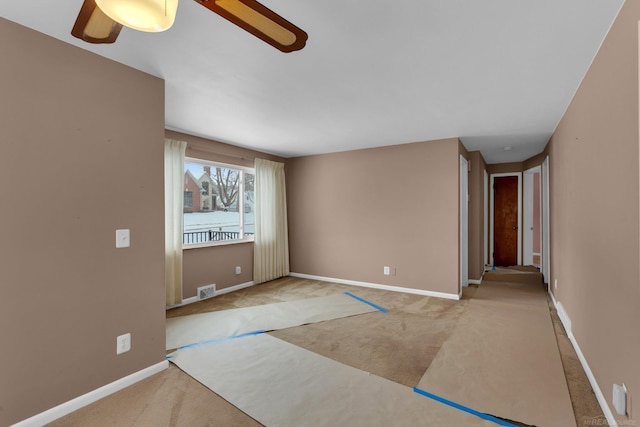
(271, 239)
(174, 152)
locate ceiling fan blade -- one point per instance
(260, 21)
(93, 26)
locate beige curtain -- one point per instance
(173, 206)
(271, 247)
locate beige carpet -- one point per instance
(280, 384)
(399, 349)
(198, 328)
(503, 359)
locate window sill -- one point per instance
(217, 243)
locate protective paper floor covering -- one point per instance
(280, 384)
(197, 328)
(503, 359)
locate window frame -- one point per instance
(241, 203)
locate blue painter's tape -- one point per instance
(463, 408)
(232, 337)
(377, 307)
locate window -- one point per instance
(188, 199)
(221, 203)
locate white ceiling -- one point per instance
(496, 73)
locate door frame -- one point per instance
(527, 232)
(491, 207)
(464, 223)
(485, 245)
(545, 257)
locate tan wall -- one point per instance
(354, 212)
(476, 215)
(216, 264)
(534, 161)
(81, 156)
(505, 167)
(594, 210)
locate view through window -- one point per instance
(218, 203)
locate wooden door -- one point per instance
(505, 221)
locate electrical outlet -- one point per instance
(123, 238)
(238, 270)
(123, 343)
(555, 284)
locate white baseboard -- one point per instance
(378, 286)
(234, 288)
(191, 300)
(566, 322)
(63, 409)
(476, 281)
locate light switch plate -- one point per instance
(123, 239)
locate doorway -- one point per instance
(531, 229)
(464, 223)
(546, 256)
(506, 219)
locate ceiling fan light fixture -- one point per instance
(260, 21)
(142, 15)
(93, 26)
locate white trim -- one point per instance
(602, 401)
(485, 247)
(527, 211)
(492, 177)
(377, 286)
(246, 239)
(63, 409)
(184, 302)
(463, 219)
(475, 281)
(545, 247)
(234, 288)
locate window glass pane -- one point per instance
(212, 203)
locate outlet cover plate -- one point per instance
(123, 238)
(123, 343)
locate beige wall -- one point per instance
(594, 210)
(81, 155)
(354, 212)
(216, 264)
(505, 167)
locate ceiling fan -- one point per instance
(100, 21)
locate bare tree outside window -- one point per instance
(226, 183)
